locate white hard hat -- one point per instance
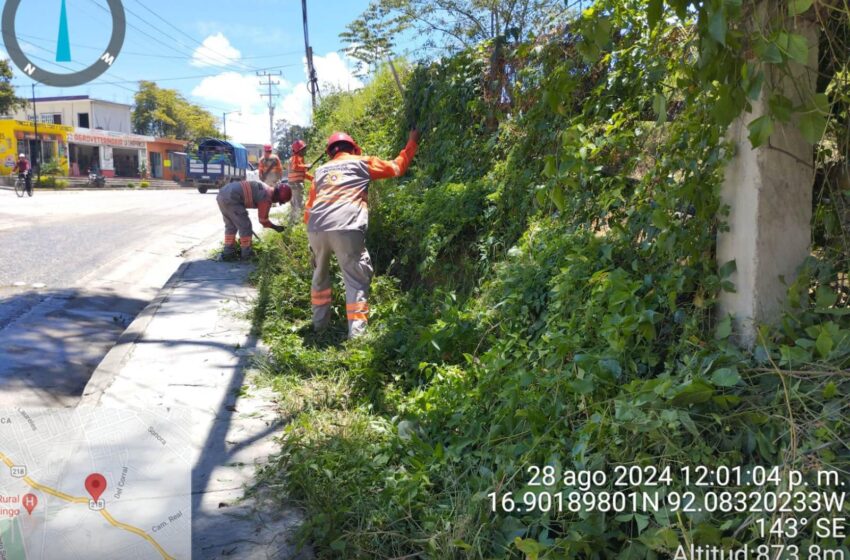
(22, 155)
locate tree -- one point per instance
(448, 24)
(285, 134)
(370, 37)
(8, 100)
(166, 113)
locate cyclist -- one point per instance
(24, 169)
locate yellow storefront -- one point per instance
(18, 137)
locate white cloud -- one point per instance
(241, 91)
(297, 106)
(233, 88)
(334, 73)
(216, 51)
(249, 127)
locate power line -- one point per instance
(82, 65)
(194, 40)
(270, 95)
(224, 61)
(149, 55)
(115, 84)
(191, 77)
(62, 66)
(186, 50)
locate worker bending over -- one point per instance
(271, 170)
(297, 174)
(337, 217)
(234, 200)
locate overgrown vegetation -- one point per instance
(545, 295)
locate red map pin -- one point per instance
(29, 501)
(95, 485)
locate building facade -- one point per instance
(79, 111)
(112, 154)
(50, 147)
(84, 135)
(167, 159)
(255, 152)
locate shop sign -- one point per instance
(100, 140)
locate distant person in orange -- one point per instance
(297, 174)
(271, 170)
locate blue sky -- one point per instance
(210, 51)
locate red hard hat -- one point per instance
(298, 145)
(343, 137)
(267, 148)
(284, 192)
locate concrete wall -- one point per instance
(68, 109)
(111, 116)
(102, 114)
(769, 192)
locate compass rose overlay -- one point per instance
(34, 71)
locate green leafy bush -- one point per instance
(51, 168)
(546, 295)
(47, 181)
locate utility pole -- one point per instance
(270, 95)
(36, 157)
(224, 121)
(312, 79)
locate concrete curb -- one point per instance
(110, 366)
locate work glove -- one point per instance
(278, 228)
(414, 135)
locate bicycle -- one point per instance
(21, 186)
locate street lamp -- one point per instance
(224, 121)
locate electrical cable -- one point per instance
(199, 43)
(149, 55)
(186, 50)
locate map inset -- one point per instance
(92, 483)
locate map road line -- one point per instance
(57, 493)
(82, 500)
(136, 531)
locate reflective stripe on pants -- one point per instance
(235, 218)
(350, 250)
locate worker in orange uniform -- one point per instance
(297, 175)
(235, 199)
(271, 170)
(337, 217)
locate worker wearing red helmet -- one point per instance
(235, 199)
(337, 217)
(296, 177)
(271, 170)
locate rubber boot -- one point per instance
(247, 253)
(229, 253)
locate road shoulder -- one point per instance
(191, 347)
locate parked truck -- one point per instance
(216, 163)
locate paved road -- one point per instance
(75, 268)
